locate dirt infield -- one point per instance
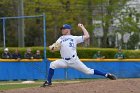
(91, 86)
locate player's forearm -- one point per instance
(85, 32)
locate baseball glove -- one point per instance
(55, 47)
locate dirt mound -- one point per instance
(91, 86)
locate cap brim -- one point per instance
(64, 28)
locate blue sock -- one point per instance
(50, 75)
(96, 72)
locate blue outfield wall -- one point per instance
(120, 69)
(22, 70)
(39, 70)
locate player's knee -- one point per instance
(52, 65)
(89, 72)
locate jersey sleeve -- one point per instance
(58, 40)
(79, 39)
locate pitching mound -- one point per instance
(91, 86)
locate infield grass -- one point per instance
(7, 85)
(15, 86)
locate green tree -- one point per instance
(107, 18)
(59, 12)
(129, 22)
(8, 8)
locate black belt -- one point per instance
(69, 58)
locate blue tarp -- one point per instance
(38, 70)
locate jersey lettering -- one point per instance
(71, 44)
(67, 39)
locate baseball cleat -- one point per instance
(111, 76)
(45, 84)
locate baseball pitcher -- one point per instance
(67, 45)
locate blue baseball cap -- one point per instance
(66, 26)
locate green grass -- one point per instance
(15, 86)
(7, 85)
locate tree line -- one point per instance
(59, 12)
